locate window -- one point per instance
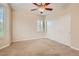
(1, 22)
(41, 24)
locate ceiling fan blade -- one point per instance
(47, 4)
(36, 4)
(33, 9)
(49, 9)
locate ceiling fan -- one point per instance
(42, 7)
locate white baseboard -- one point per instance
(68, 45)
(26, 39)
(21, 40)
(5, 46)
(74, 48)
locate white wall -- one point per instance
(59, 26)
(25, 26)
(7, 18)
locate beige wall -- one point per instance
(25, 26)
(75, 25)
(7, 39)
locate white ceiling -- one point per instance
(29, 6)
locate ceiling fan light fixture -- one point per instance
(41, 9)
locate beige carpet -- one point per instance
(38, 47)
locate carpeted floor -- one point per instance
(38, 47)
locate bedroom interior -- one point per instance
(39, 29)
